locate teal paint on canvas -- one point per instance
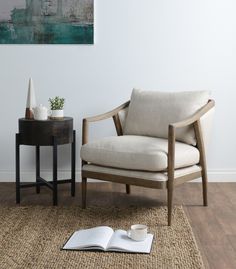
(47, 22)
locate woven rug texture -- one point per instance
(31, 237)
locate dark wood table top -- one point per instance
(48, 120)
(42, 132)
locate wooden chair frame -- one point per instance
(171, 182)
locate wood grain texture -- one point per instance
(107, 115)
(34, 132)
(121, 179)
(214, 226)
(203, 163)
(118, 126)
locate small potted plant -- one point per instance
(57, 105)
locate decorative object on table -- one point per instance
(45, 133)
(40, 112)
(57, 105)
(47, 22)
(106, 239)
(44, 230)
(31, 101)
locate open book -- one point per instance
(106, 239)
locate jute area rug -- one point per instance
(31, 237)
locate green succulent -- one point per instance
(57, 103)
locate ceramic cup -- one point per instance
(138, 232)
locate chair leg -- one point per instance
(170, 204)
(127, 188)
(84, 192)
(200, 145)
(204, 186)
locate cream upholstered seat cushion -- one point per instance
(137, 153)
(150, 113)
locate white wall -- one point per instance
(150, 44)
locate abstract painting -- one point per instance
(46, 21)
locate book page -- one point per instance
(121, 242)
(90, 238)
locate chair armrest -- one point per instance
(113, 113)
(195, 121)
(194, 117)
(107, 115)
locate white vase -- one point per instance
(57, 113)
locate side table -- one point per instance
(45, 133)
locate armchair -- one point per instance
(160, 144)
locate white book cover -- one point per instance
(104, 238)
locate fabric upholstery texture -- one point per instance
(206, 125)
(155, 176)
(150, 113)
(137, 153)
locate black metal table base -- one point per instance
(39, 180)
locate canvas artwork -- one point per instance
(46, 21)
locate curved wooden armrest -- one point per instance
(107, 115)
(104, 116)
(195, 121)
(194, 117)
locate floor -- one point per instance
(214, 226)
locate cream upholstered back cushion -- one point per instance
(151, 112)
(206, 123)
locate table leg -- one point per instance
(37, 168)
(73, 152)
(17, 168)
(54, 170)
